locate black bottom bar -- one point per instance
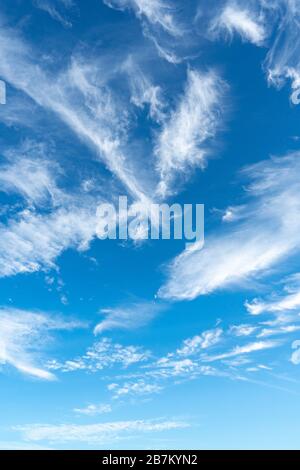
(137, 458)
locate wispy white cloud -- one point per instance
(164, 51)
(270, 23)
(79, 98)
(28, 172)
(52, 7)
(23, 335)
(232, 214)
(258, 20)
(128, 317)
(281, 330)
(164, 24)
(183, 142)
(172, 367)
(19, 445)
(243, 330)
(267, 234)
(32, 241)
(295, 357)
(289, 300)
(191, 362)
(282, 63)
(156, 12)
(204, 341)
(139, 388)
(101, 355)
(143, 92)
(101, 433)
(185, 361)
(240, 350)
(15, 113)
(161, 23)
(237, 18)
(93, 410)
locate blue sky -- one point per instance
(149, 344)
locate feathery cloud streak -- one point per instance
(182, 144)
(75, 99)
(267, 234)
(156, 12)
(128, 317)
(23, 334)
(282, 63)
(235, 18)
(33, 241)
(96, 433)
